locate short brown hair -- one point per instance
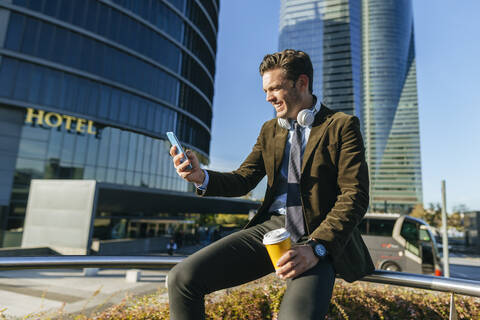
(293, 62)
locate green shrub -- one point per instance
(372, 301)
(258, 303)
(261, 300)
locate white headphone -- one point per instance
(305, 117)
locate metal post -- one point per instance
(453, 311)
(446, 265)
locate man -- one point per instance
(317, 188)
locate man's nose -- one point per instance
(270, 97)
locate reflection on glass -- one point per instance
(35, 132)
(110, 175)
(21, 87)
(114, 146)
(120, 177)
(123, 145)
(92, 147)
(89, 172)
(132, 151)
(129, 177)
(32, 149)
(137, 179)
(33, 169)
(66, 156)
(103, 148)
(80, 149)
(139, 158)
(101, 174)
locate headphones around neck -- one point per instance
(305, 117)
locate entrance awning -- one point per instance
(122, 198)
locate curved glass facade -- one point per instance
(90, 88)
(391, 106)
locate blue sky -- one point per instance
(448, 67)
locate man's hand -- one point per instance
(196, 174)
(296, 261)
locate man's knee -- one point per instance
(176, 277)
(182, 277)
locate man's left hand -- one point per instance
(296, 261)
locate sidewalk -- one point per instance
(24, 292)
(465, 260)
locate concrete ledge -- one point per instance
(129, 246)
(27, 252)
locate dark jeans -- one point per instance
(240, 258)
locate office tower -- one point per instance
(329, 31)
(391, 125)
(89, 88)
(364, 64)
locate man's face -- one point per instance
(281, 93)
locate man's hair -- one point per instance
(293, 62)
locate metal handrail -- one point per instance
(458, 286)
(59, 262)
(421, 281)
(451, 285)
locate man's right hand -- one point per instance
(196, 174)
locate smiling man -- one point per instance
(317, 189)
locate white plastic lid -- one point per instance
(275, 236)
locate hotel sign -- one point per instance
(55, 120)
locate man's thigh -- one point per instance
(308, 296)
(236, 259)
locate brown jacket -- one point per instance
(334, 185)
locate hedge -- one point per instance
(261, 300)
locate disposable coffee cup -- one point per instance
(277, 243)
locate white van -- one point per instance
(401, 243)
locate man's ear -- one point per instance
(303, 81)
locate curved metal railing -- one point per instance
(459, 286)
(59, 262)
(451, 285)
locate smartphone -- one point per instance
(174, 141)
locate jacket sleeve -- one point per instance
(353, 185)
(239, 182)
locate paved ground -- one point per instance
(465, 266)
(23, 292)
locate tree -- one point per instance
(418, 211)
(206, 219)
(461, 208)
(232, 219)
(432, 215)
(455, 220)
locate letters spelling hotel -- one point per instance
(88, 90)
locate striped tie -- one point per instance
(294, 219)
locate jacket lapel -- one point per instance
(281, 135)
(322, 120)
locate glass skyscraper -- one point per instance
(390, 119)
(329, 31)
(364, 64)
(88, 89)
